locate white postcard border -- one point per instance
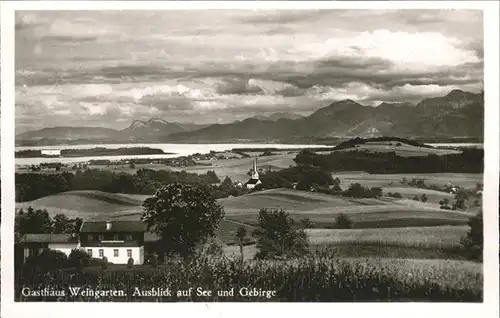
(489, 308)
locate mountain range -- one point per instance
(457, 114)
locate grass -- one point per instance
(319, 278)
(322, 209)
(433, 196)
(87, 204)
(227, 232)
(465, 180)
(368, 251)
(404, 150)
(287, 199)
(237, 169)
(439, 237)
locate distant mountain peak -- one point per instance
(157, 120)
(345, 101)
(455, 92)
(402, 104)
(279, 115)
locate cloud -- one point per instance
(237, 86)
(97, 67)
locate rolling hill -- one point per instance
(320, 208)
(394, 226)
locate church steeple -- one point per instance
(255, 172)
(254, 178)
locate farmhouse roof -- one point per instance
(116, 226)
(253, 181)
(48, 238)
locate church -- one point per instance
(254, 178)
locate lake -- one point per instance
(468, 145)
(178, 150)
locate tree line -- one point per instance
(469, 161)
(31, 186)
(39, 221)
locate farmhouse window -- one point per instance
(101, 237)
(90, 237)
(101, 253)
(115, 253)
(89, 251)
(129, 237)
(129, 253)
(115, 237)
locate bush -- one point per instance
(356, 190)
(104, 262)
(48, 260)
(307, 223)
(342, 222)
(78, 258)
(213, 247)
(423, 198)
(153, 261)
(130, 262)
(473, 241)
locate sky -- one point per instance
(107, 68)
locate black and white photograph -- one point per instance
(305, 155)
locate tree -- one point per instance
(355, 190)
(473, 241)
(416, 198)
(33, 222)
(227, 183)
(276, 238)
(342, 221)
(241, 232)
(62, 224)
(78, 225)
(423, 198)
(307, 223)
(132, 165)
(376, 192)
(183, 216)
(303, 185)
(212, 177)
(78, 258)
(460, 198)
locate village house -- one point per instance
(34, 244)
(116, 240)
